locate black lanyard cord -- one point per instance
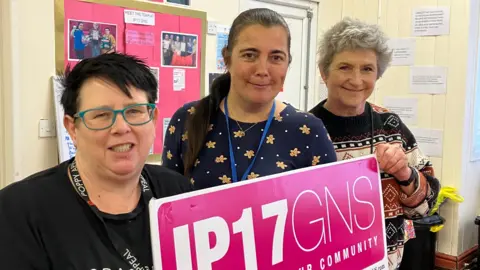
(372, 132)
(117, 241)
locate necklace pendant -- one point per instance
(239, 134)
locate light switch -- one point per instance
(46, 128)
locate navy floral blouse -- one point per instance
(294, 140)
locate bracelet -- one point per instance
(413, 177)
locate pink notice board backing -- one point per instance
(322, 217)
(172, 46)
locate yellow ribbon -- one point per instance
(444, 193)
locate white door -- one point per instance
(297, 90)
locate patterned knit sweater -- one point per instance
(352, 137)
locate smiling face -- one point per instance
(258, 63)
(350, 80)
(120, 150)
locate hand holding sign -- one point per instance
(393, 160)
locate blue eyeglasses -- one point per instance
(103, 118)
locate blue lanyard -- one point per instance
(232, 155)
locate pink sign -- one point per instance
(139, 38)
(323, 217)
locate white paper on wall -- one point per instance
(428, 80)
(406, 108)
(431, 21)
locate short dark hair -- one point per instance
(120, 69)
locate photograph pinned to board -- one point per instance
(179, 2)
(156, 72)
(222, 42)
(66, 148)
(88, 39)
(179, 49)
(430, 21)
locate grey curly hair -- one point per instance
(352, 34)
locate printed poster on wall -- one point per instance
(431, 21)
(403, 51)
(66, 148)
(322, 217)
(222, 42)
(165, 42)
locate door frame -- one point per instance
(6, 91)
(307, 96)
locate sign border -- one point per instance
(154, 204)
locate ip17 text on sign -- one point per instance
(327, 217)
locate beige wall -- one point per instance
(28, 59)
(28, 63)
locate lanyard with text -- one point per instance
(117, 241)
(232, 155)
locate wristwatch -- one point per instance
(412, 178)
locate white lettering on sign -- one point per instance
(183, 253)
(330, 203)
(347, 204)
(139, 17)
(206, 255)
(279, 209)
(348, 252)
(245, 226)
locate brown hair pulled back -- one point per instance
(198, 123)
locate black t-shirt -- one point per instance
(46, 225)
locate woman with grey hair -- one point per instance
(353, 56)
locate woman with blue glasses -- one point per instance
(91, 212)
